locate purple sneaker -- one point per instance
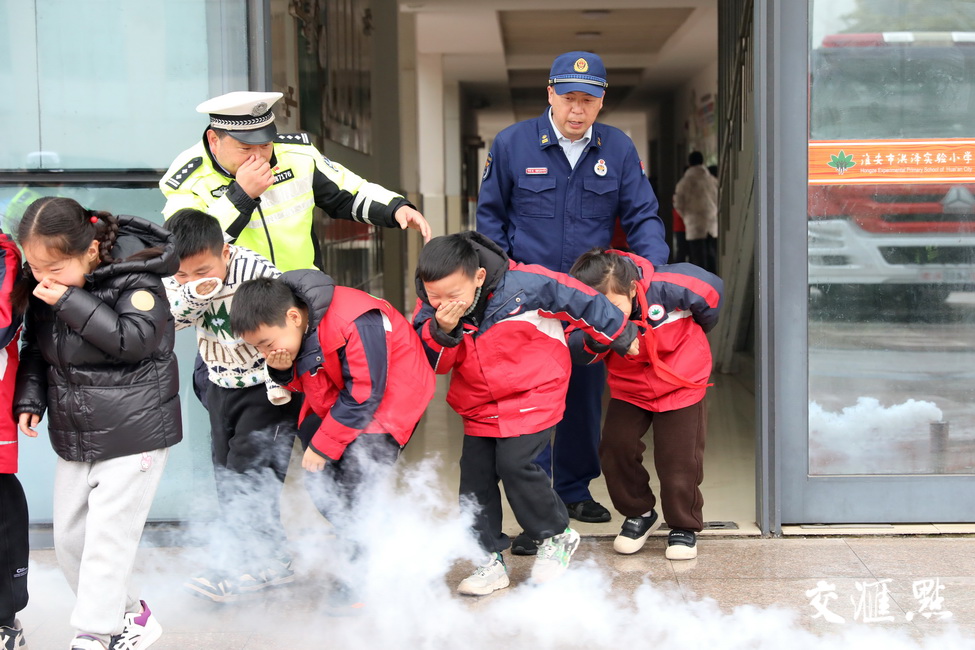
(141, 631)
(86, 642)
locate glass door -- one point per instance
(890, 329)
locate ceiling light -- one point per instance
(595, 13)
(588, 36)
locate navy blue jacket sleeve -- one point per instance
(583, 349)
(364, 369)
(563, 297)
(687, 286)
(495, 196)
(645, 232)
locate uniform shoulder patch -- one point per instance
(487, 167)
(184, 172)
(293, 138)
(143, 300)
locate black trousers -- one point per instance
(336, 490)
(251, 443)
(486, 461)
(704, 253)
(14, 549)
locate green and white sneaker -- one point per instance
(553, 556)
(487, 578)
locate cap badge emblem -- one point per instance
(581, 65)
(260, 108)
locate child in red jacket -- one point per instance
(361, 369)
(663, 385)
(495, 325)
(14, 548)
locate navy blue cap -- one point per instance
(582, 71)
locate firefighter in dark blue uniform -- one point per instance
(552, 189)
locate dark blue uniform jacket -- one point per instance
(539, 210)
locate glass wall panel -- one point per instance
(108, 88)
(188, 480)
(891, 237)
(107, 84)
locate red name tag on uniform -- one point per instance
(537, 170)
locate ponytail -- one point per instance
(67, 228)
(106, 232)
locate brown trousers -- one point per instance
(678, 456)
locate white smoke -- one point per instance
(418, 547)
(869, 438)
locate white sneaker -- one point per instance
(12, 638)
(141, 631)
(553, 556)
(85, 642)
(487, 578)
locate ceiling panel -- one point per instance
(617, 31)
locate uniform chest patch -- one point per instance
(536, 170)
(281, 177)
(656, 312)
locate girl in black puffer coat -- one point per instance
(98, 357)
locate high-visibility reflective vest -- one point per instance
(279, 224)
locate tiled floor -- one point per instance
(739, 593)
(742, 591)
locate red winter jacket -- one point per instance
(361, 367)
(675, 306)
(9, 324)
(509, 359)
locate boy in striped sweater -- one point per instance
(252, 420)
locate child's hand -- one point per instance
(26, 423)
(206, 287)
(50, 291)
(312, 462)
(279, 359)
(449, 314)
(634, 348)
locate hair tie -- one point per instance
(93, 219)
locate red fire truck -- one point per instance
(892, 238)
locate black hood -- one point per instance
(135, 235)
(489, 256)
(314, 288)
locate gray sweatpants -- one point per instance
(100, 509)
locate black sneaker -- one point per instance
(588, 511)
(681, 545)
(634, 533)
(524, 545)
